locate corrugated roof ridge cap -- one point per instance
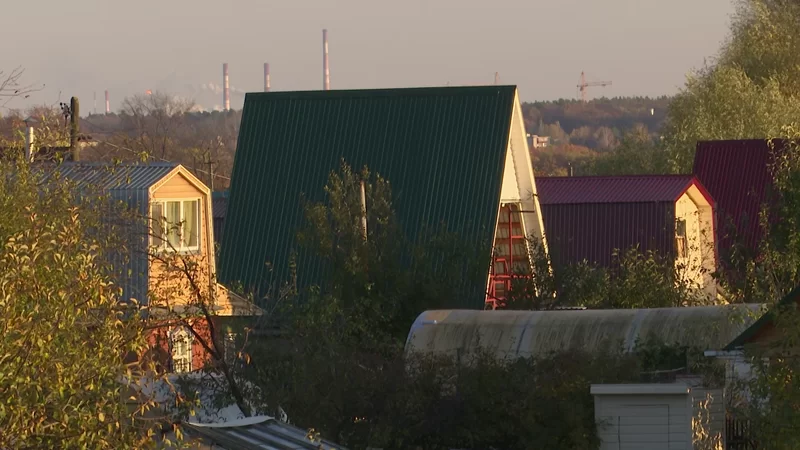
(383, 92)
(597, 177)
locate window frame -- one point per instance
(181, 363)
(164, 244)
(681, 250)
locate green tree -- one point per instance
(752, 89)
(65, 332)
(636, 154)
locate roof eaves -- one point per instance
(753, 330)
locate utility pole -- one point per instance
(210, 171)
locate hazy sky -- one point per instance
(80, 47)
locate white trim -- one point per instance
(640, 389)
(182, 249)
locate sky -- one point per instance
(82, 47)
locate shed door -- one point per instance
(644, 427)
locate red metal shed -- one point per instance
(588, 218)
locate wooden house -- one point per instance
(454, 156)
(170, 218)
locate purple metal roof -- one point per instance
(737, 175)
(593, 231)
(612, 189)
(589, 218)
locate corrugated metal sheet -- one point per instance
(442, 149)
(513, 334)
(593, 231)
(618, 189)
(737, 174)
(128, 183)
(259, 433)
(220, 208)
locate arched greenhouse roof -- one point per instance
(512, 334)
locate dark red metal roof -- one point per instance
(593, 231)
(738, 176)
(589, 218)
(612, 189)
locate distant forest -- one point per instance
(581, 132)
(169, 129)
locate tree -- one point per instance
(636, 154)
(152, 122)
(12, 87)
(751, 90)
(65, 330)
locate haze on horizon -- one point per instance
(646, 47)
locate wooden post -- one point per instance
(74, 109)
(363, 210)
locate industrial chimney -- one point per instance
(266, 77)
(226, 89)
(108, 105)
(326, 71)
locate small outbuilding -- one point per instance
(657, 416)
(592, 218)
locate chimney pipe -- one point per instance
(226, 93)
(74, 128)
(326, 72)
(108, 105)
(266, 77)
(29, 144)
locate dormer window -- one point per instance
(176, 225)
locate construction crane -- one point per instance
(582, 87)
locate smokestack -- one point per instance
(94, 110)
(108, 105)
(266, 77)
(326, 71)
(226, 89)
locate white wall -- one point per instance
(643, 422)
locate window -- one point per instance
(181, 349)
(680, 238)
(176, 224)
(229, 348)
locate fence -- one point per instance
(738, 434)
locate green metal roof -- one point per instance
(442, 149)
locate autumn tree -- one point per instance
(638, 153)
(65, 328)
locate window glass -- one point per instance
(173, 223)
(190, 223)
